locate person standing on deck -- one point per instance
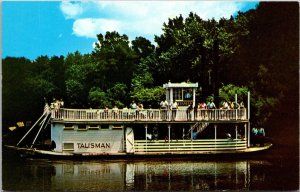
(196, 112)
(261, 132)
(115, 111)
(133, 106)
(164, 108)
(150, 112)
(211, 105)
(188, 112)
(174, 107)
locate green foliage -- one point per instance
(227, 92)
(98, 98)
(148, 96)
(255, 51)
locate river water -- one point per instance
(269, 170)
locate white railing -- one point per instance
(149, 115)
(189, 145)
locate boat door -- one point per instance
(129, 136)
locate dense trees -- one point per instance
(257, 50)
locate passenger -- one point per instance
(61, 103)
(164, 108)
(261, 132)
(139, 111)
(211, 105)
(195, 135)
(228, 135)
(188, 112)
(225, 105)
(231, 104)
(53, 145)
(106, 112)
(149, 136)
(150, 112)
(236, 105)
(203, 105)
(195, 112)
(155, 133)
(115, 111)
(254, 131)
(242, 106)
(125, 112)
(174, 108)
(133, 105)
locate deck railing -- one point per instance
(189, 145)
(149, 115)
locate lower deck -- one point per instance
(112, 139)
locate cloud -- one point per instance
(139, 18)
(90, 27)
(71, 10)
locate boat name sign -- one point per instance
(94, 145)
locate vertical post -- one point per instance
(169, 134)
(246, 133)
(248, 105)
(146, 132)
(167, 94)
(249, 134)
(171, 95)
(191, 128)
(194, 97)
(215, 135)
(236, 135)
(235, 98)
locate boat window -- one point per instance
(177, 94)
(68, 146)
(69, 127)
(104, 126)
(94, 127)
(82, 127)
(117, 127)
(187, 94)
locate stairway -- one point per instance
(199, 126)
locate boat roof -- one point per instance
(180, 85)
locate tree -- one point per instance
(115, 59)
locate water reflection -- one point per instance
(136, 175)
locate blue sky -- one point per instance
(32, 29)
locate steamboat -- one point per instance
(184, 130)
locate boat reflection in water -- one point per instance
(154, 175)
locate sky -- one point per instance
(54, 28)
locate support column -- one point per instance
(248, 106)
(246, 134)
(171, 95)
(236, 132)
(249, 134)
(194, 97)
(146, 132)
(236, 135)
(167, 95)
(191, 128)
(169, 134)
(215, 135)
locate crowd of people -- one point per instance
(168, 110)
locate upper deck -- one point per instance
(150, 115)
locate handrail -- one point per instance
(189, 145)
(149, 115)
